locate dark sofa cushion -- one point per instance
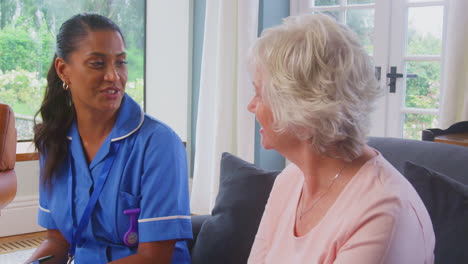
(227, 236)
(447, 203)
(441, 157)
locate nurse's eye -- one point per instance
(121, 62)
(97, 64)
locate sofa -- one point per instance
(438, 171)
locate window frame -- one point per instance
(390, 50)
(177, 113)
(25, 150)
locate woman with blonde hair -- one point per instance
(339, 201)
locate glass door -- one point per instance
(405, 40)
(416, 49)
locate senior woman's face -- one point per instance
(262, 113)
(97, 72)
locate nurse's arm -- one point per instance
(151, 252)
(55, 244)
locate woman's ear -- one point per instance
(61, 69)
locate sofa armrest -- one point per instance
(197, 223)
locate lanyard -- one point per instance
(76, 236)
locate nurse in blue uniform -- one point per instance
(114, 184)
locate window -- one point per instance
(407, 36)
(27, 45)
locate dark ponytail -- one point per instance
(57, 113)
(57, 110)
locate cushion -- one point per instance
(243, 192)
(447, 203)
(441, 157)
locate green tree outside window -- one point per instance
(27, 46)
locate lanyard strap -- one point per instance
(76, 236)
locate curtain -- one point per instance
(454, 105)
(223, 122)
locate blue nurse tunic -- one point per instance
(149, 172)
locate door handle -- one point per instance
(393, 75)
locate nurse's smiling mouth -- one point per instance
(111, 93)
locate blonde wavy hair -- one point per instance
(319, 83)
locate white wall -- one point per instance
(20, 216)
(168, 65)
(378, 117)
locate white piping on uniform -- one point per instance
(164, 218)
(43, 209)
(133, 131)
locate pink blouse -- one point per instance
(378, 218)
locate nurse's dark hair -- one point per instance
(57, 110)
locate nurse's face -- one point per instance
(96, 72)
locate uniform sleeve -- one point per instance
(165, 212)
(385, 235)
(44, 215)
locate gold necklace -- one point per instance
(320, 197)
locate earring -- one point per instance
(65, 86)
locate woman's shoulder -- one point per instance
(153, 124)
(152, 127)
(380, 185)
(290, 176)
(390, 181)
(387, 194)
(287, 182)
